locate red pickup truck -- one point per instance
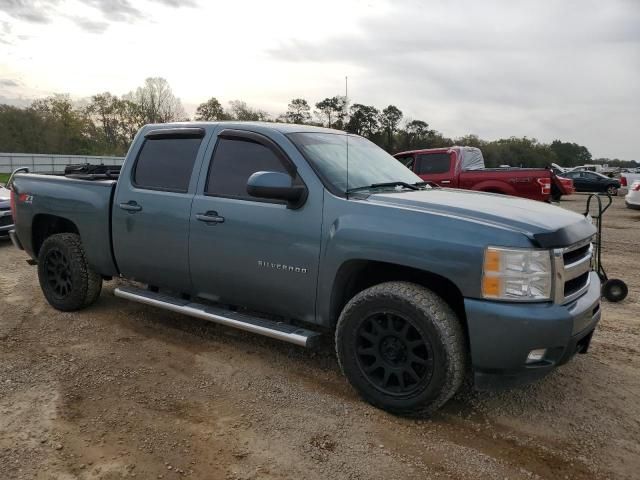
(463, 167)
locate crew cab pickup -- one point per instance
(463, 167)
(296, 231)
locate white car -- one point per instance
(632, 199)
(628, 179)
(6, 222)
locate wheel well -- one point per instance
(358, 275)
(46, 225)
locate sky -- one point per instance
(547, 69)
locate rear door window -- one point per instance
(166, 164)
(407, 161)
(433, 163)
(234, 161)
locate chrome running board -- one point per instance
(241, 321)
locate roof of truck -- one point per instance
(280, 127)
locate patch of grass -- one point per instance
(4, 177)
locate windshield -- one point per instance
(368, 163)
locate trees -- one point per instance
(414, 135)
(63, 128)
(103, 109)
(570, 154)
(470, 140)
(298, 111)
(244, 113)
(116, 121)
(517, 152)
(107, 124)
(157, 102)
(21, 130)
(211, 110)
(333, 110)
(363, 120)
(389, 121)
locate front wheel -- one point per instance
(67, 281)
(402, 348)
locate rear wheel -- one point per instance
(67, 281)
(612, 190)
(401, 347)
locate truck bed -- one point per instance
(86, 203)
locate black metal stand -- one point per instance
(613, 289)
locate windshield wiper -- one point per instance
(427, 184)
(410, 186)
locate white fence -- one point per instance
(42, 163)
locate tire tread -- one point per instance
(91, 281)
(444, 319)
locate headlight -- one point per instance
(516, 274)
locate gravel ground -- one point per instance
(123, 390)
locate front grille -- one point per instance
(575, 255)
(6, 221)
(573, 265)
(575, 284)
(5, 209)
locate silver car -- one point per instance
(6, 220)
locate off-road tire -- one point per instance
(83, 285)
(432, 318)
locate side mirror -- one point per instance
(276, 186)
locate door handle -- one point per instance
(130, 206)
(445, 181)
(210, 217)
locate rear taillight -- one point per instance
(636, 187)
(545, 183)
(623, 181)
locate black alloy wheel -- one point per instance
(393, 355)
(67, 281)
(58, 273)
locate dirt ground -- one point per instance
(123, 390)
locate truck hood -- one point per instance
(546, 225)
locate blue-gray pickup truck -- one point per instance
(294, 231)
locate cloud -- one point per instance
(91, 26)
(116, 10)
(179, 3)
(8, 82)
(539, 68)
(20, 102)
(28, 10)
(44, 11)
